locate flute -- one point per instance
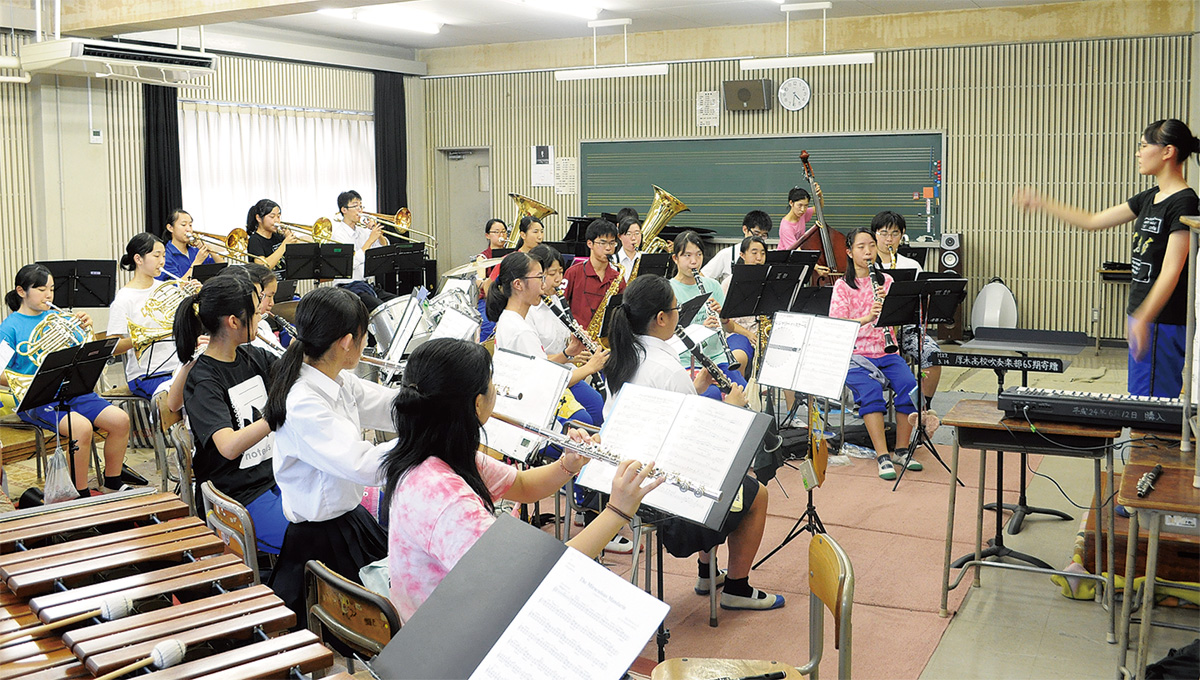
(718, 376)
(598, 452)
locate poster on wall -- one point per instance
(542, 168)
(708, 108)
(566, 175)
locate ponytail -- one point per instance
(221, 296)
(262, 208)
(323, 317)
(512, 267)
(140, 244)
(30, 276)
(646, 296)
(1175, 133)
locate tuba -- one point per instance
(526, 207)
(664, 208)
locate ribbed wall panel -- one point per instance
(127, 180)
(1061, 116)
(264, 82)
(17, 216)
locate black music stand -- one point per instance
(83, 283)
(812, 300)
(395, 259)
(921, 302)
(320, 261)
(204, 272)
(800, 257)
(64, 375)
(760, 291)
(654, 263)
(1023, 341)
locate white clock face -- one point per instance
(794, 94)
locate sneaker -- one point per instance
(702, 582)
(886, 469)
(620, 545)
(905, 457)
(758, 600)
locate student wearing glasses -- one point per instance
(352, 226)
(588, 281)
(496, 233)
(720, 267)
(629, 232)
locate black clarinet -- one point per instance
(596, 379)
(889, 339)
(723, 382)
(733, 364)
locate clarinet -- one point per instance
(889, 340)
(722, 380)
(598, 452)
(596, 379)
(733, 364)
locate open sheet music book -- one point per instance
(706, 441)
(538, 610)
(528, 390)
(809, 354)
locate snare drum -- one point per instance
(395, 321)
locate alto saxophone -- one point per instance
(597, 321)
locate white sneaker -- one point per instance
(620, 545)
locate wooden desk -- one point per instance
(981, 425)
(1173, 494)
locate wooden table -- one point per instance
(981, 425)
(1173, 494)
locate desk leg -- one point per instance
(944, 611)
(1110, 582)
(1127, 602)
(1097, 532)
(979, 516)
(1143, 652)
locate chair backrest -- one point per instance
(831, 582)
(363, 620)
(181, 441)
(232, 523)
(166, 417)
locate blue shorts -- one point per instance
(269, 523)
(1160, 372)
(736, 377)
(868, 393)
(145, 386)
(87, 405)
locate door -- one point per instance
(464, 202)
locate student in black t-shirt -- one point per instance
(267, 241)
(1158, 292)
(225, 392)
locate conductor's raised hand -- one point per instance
(629, 486)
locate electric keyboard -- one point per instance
(1158, 413)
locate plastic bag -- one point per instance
(58, 479)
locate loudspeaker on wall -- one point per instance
(748, 95)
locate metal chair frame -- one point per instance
(230, 520)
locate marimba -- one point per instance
(64, 560)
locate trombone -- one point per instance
(401, 227)
(236, 244)
(320, 231)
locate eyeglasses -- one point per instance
(676, 308)
(502, 231)
(605, 243)
(759, 233)
(354, 206)
(539, 276)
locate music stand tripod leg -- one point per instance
(996, 547)
(920, 436)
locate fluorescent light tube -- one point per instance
(594, 72)
(388, 17)
(806, 6)
(574, 8)
(841, 59)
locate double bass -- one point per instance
(830, 242)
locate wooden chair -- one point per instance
(360, 619)
(831, 586)
(232, 523)
(181, 441)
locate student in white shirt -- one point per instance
(629, 234)
(640, 329)
(318, 409)
(151, 371)
(364, 232)
(720, 267)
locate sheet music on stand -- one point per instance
(528, 389)
(706, 441)
(455, 324)
(808, 353)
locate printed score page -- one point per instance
(609, 620)
(540, 384)
(455, 324)
(826, 357)
(781, 358)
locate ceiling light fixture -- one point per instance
(625, 70)
(583, 10)
(823, 59)
(387, 16)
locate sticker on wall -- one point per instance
(542, 169)
(708, 108)
(566, 175)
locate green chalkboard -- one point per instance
(721, 180)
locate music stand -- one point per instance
(760, 291)
(204, 272)
(812, 300)
(800, 257)
(394, 259)
(654, 263)
(64, 375)
(320, 261)
(83, 283)
(921, 302)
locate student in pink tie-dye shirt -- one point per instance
(854, 299)
(442, 489)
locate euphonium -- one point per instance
(597, 321)
(664, 208)
(526, 207)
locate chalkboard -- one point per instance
(721, 180)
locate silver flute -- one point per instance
(598, 452)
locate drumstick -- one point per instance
(164, 655)
(112, 607)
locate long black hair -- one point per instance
(526, 222)
(851, 277)
(221, 296)
(30, 276)
(434, 412)
(169, 234)
(514, 266)
(546, 255)
(258, 274)
(140, 244)
(1175, 133)
(323, 317)
(260, 209)
(646, 296)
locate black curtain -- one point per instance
(164, 184)
(391, 172)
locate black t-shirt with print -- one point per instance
(1154, 224)
(261, 246)
(221, 394)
